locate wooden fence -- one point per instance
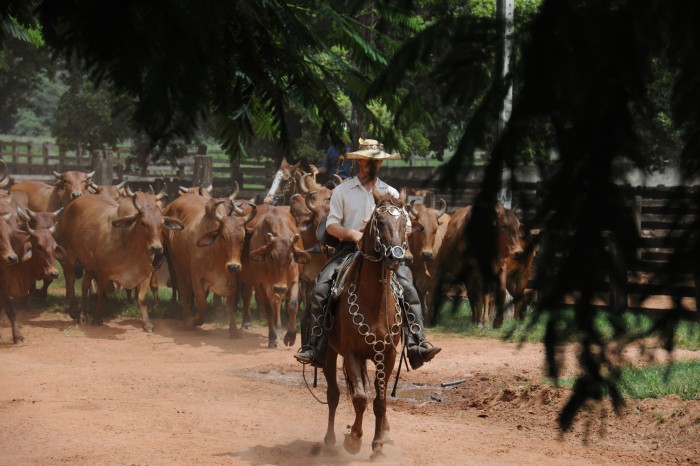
(662, 227)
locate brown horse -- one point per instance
(368, 322)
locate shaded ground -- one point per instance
(76, 394)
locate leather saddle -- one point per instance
(344, 275)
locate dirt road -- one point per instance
(76, 394)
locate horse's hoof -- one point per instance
(247, 326)
(377, 452)
(329, 440)
(198, 321)
(17, 339)
(290, 338)
(351, 444)
(272, 344)
(234, 334)
(148, 328)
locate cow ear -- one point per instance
(124, 222)
(259, 254)
(27, 253)
(59, 253)
(301, 256)
(171, 223)
(208, 238)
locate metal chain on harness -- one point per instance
(378, 345)
(398, 252)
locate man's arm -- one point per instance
(344, 233)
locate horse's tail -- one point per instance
(363, 371)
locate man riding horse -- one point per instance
(351, 205)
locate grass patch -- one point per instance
(456, 320)
(680, 378)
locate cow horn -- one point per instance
(412, 210)
(93, 186)
(123, 183)
(338, 179)
(91, 174)
(251, 215)
(443, 208)
(57, 175)
(217, 203)
(150, 189)
(163, 192)
(129, 192)
(236, 188)
(269, 237)
(56, 213)
(23, 215)
(4, 181)
(309, 202)
(302, 186)
(183, 190)
(30, 230)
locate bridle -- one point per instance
(386, 251)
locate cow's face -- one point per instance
(508, 230)
(73, 184)
(44, 251)
(149, 221)
(231, 235)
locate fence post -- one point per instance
(618, 291)
(102, 165)
(15, 152)
(202, 170)
(45, 151)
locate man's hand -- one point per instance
(314, 169)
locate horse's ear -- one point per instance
(377, 195)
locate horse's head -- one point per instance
(385, 236)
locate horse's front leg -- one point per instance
(381, 423)
(332, 393)
(353, 369)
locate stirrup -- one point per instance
(307, 355)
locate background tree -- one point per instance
(591, 87)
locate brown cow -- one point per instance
(474, 252)
(206, 255)
(427, 232)
(309, 210)
(46, 198)
(40, 221)
(114, 244)
(519, 268)
(270, 264)
(16, 280)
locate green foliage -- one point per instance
(88, 117)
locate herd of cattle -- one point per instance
(233, 248)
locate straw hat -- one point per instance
(372, 150)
